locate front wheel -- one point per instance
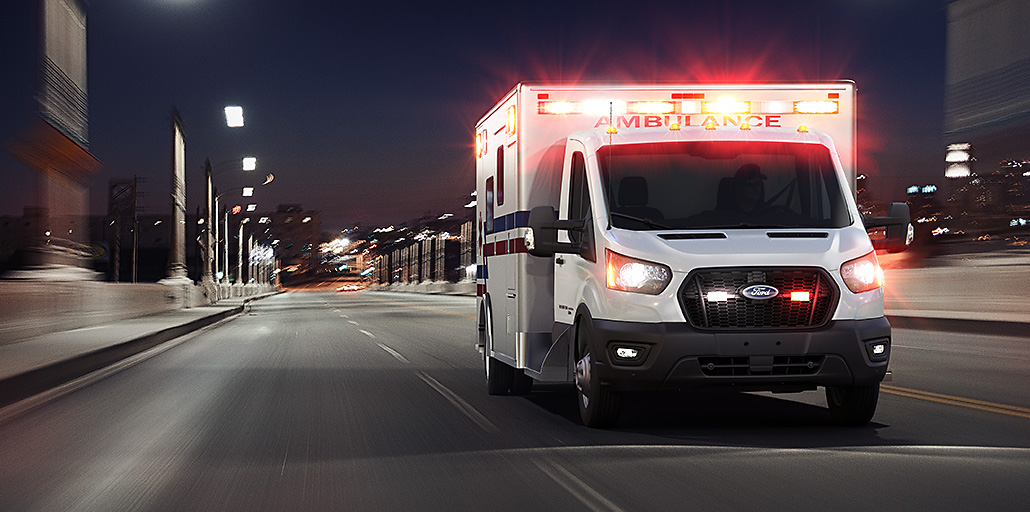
(852, 406)
(599, 407)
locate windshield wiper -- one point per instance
(648, 222)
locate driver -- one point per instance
(748, 189)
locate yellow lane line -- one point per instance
(969, 403)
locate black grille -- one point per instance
(741, 366)
(738, 312)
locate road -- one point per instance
(376, 401)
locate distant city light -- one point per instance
(249, 163)
(234, 116)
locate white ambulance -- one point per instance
(674, 237)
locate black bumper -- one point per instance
(675, 356)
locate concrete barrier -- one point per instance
(33, 307)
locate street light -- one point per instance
(234, 116)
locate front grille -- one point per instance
(745, 366)
(737, 312)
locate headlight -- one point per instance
(633, 275)
(862, 274)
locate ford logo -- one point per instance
(759, 292)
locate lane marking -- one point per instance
(426, 308)
(580, 490)
(969, 403)
(352, 322)
(397, 355)
(463, 406)
(366, 333)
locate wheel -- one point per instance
(599, 407)
(521, 384)
(499, 376)
(852, 406)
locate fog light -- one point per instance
(878, 350)
(627, 353)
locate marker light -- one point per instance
(632, 275)
(511, 120)
(674, 126)
(816, 107)
(481, 143)
(745, 126)
(802, 129)
(800, 296)
(726, 107)
(710, 126)
(862, 274)
(612, 129)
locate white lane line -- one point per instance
(580, 490)
(352, 322)
(397, 355)
(366, 333)
(463, 406)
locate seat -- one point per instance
(633, 198)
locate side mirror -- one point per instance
(542, 237)
(899, 228)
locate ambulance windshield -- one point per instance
(722, 185)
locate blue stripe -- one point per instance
(519, 219)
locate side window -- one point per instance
(489, 205)
(579, 197)
(500, 175)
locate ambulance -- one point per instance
(636, 238)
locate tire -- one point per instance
(852, 406)
(521, 384)
(499, 376)
(599, 407)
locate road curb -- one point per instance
(24, 385)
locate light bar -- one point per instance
(651, 107)
(816, 107)
(726, 107)
(559, 107)
(234, 116)
(800, 296)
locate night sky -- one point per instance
(366, 110)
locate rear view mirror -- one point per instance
(899, 228)
(542, 237)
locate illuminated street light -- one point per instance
(249, 163)
(248, 191)
(234, 116)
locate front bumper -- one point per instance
(675, 356)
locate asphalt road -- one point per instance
(376, 401)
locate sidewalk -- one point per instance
(42, 362)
